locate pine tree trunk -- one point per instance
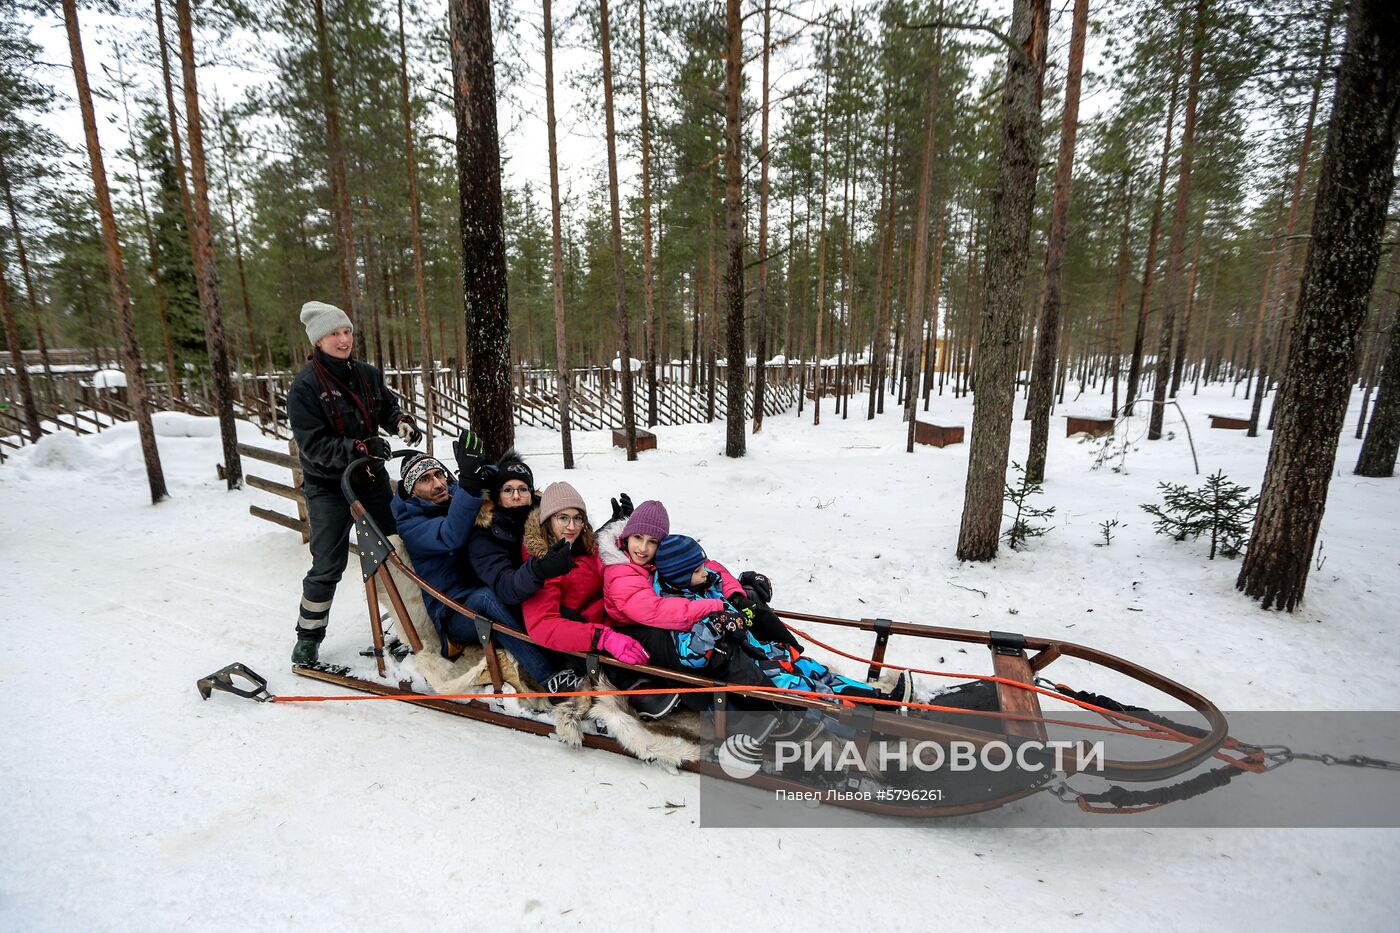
(205, 268)
(1353, 191)
(648, 284)
(157, 285)
(1174, 297)
(340, 186)
(1008, 247)
(1116, 347)
(1382, 443)
(26, 389)
(1184, 340)
(1042, 371)
(486, 312)
(760, 371)
(817, 381)
(624, 338)
(914, 329)
(238, 254)
(177, 148)
(1149, 266)
(736, 346)
(425, 338)
(30, 296)
(116, 274)
(556, 253)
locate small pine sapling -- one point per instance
(1106, 529)
(1023, 520)
(1219, 509)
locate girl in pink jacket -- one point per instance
(690, 613)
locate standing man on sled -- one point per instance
(337, 406)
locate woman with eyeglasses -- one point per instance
(567, 612)
(494, 548)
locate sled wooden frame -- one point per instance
(1009, 660)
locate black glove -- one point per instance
(409, 432)
(744, 606)
(621, 509)
(556, 562)
(376, 447)
(471, 461)
(726, 622)
(759, 585)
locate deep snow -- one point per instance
(130, 803)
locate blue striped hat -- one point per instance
(677, 556)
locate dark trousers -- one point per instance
(729, 663)
(330, 519)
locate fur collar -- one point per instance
(534, 538)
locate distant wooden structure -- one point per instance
(645, 440)
(937, 435)
(1229, 423)
(1083, 424)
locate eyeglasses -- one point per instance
(569, 520)
(516, 491)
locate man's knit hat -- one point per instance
(677, 557)
(416, 467)
(557, 497)
(649, 519)
(511, 467)
(320, 319)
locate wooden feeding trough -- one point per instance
(645, 440)
(1084, 424)
(937, 435)
(1229, 422)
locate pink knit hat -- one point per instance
(649, 518)
(557, 497)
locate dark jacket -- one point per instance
(435, 536)
(333, 405)
(496, 557)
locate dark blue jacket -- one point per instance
(498, 558)
(435, 536)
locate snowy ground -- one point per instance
(132, 804)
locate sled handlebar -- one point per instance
(346, 489)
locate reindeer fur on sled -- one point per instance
(667, 745)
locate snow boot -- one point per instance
(902, 690)
(652, 706)
(306, 652)
(566, 681)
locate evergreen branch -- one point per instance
(1002, 37)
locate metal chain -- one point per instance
(1279, 755)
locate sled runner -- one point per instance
(1002, 708)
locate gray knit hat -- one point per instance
(557, 497)
(320, 319)
(415, 467)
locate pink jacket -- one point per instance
(629, 596)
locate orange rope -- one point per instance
(1165, 733)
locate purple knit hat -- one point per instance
(649, 518)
